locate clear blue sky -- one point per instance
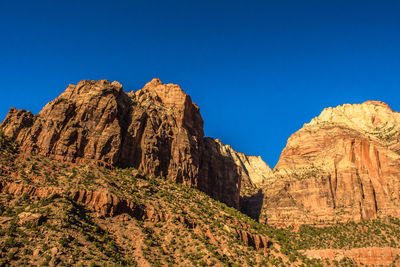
(258, 69)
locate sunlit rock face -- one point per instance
(342, 166)
(157, 129)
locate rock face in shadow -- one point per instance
(253, 171)
(252, 204)
(217, 168)
(342, 166)
(157, 130)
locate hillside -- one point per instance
(55, 213)
(68, 214)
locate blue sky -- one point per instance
(258, 70)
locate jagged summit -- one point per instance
(172, 95)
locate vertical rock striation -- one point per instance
(342, 166)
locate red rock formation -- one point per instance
(31, 219)
(84, 122)
(29, 190)
(340, 167)
(254, 240)
(156, 129)
(243, 233)
(101, 202)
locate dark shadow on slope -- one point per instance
(252, 205)
(219, 175)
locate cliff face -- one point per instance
(157, 130)
(342, 166)
(253, 169)
(253, 172)
(83, 124)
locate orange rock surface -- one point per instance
(342, 166)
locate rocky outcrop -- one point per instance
(102, 202)
(30, 219)
(28, 190)
(342, 166)
(244, 234)
(371, 256)
(105, 203)
(157, 130)
(253, 240)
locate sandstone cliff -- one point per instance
(342, 166)
(157, 130)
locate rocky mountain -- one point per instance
(101, 175)
(342, 166)
(156, 129)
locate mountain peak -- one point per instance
(365, 117)
(157, 130)
(153, 83)
(350, 155)
(377, 103)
